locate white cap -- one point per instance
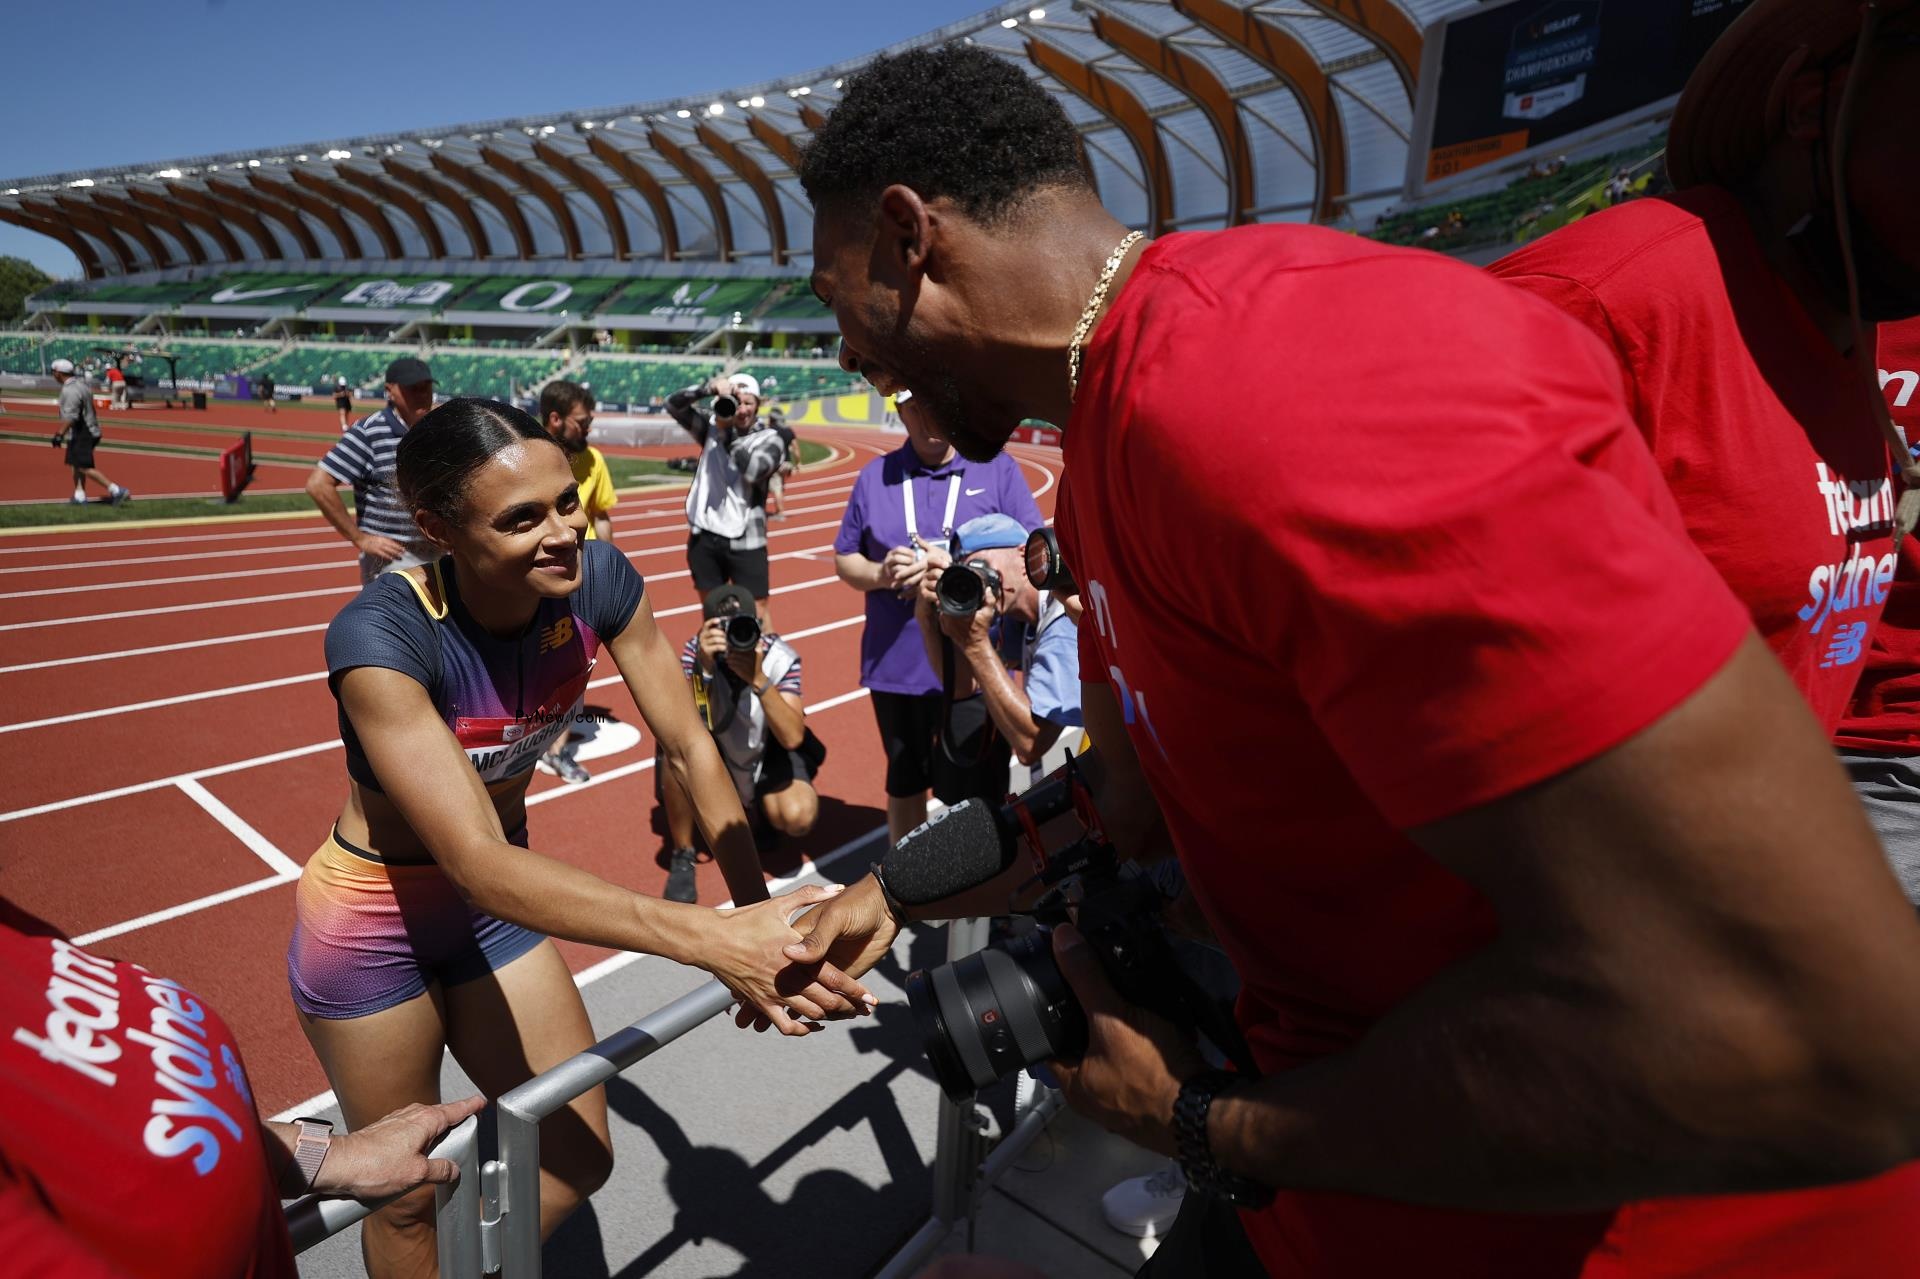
(61, 366)
(339, 381)
(746, 382)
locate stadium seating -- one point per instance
(204, 361)
(314, 368)
(495, 375)
(641, 381)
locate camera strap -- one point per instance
(946, 713)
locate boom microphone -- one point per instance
(969, 843)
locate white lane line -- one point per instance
(196, 538)
(178, 608)
(128, 708)
(185, 908)
(198, 774)
(235, 690)
(162, 648)
(257, 844)
(342, 565)
(321, 1102)
(173, 559)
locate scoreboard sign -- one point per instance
(1513, 80)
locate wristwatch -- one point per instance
(310, 1147)
(1204, 1173)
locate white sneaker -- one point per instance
(1145, 1207)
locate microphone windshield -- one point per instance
(959, 848)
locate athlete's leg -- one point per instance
(377, 1064)
(512, 1024)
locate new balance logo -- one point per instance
(560, 633)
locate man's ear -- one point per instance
(906, 230)
(1802, 100)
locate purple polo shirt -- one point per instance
(892, 659)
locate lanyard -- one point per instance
(953, 500)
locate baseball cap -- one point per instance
(717, 598)
(408, 371)
(746, 382)
(339, 381)
(990, 533)
(61, 366)
(1734, 103)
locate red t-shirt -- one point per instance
(1366, 539)
(128, 1139)
(1766, 434)
(1885, 713)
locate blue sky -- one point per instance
(199, 76)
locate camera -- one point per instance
(990, 1014)
(725, 406)
(963, 587)
(743, 633)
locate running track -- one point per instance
(173, 751)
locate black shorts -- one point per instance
(80, 444)
(910, 735)
(780, 769)
(713, 562)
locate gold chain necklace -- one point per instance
(1082, 329)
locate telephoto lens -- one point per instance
(743, 632)
(725, 406)
(994, 1012)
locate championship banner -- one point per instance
(390, 292)
(1503, 82)
(670, 300)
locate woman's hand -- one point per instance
(746, 950)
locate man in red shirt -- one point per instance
(1879, 738)
(131, 1145)
(1474, 765)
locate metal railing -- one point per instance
(489, 1221)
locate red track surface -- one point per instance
(111, 813)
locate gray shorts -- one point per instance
(416, 554)
(1889, 789)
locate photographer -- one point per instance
(79, 432)
(727, 501)
(746, 681)
(1043, 642)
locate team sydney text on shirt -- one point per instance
(83, 1012)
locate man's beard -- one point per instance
(946, 403)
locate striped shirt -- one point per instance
(364, 459)
(743, 735)
(720, 500)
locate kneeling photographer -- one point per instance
(746, 681)
(978, 616)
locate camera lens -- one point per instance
(743, 632)
(725, 406)
(988, 1015)
(960, 590)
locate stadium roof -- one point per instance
(1194, 113)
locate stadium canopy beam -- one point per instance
(406, 201)
(1118, 104)
(443, 194)
(167, 221)
(1390, 28)
(774, 139)
(322, 210)
(749, 171)
(1282, 53)
(21, 216)
(810, 117)
(138, 228)
(703, 180)
(172, 203)
(247, 198)
(372, 214)
(598, 191)
(649, 188)
(1192, 76)
(492, 192)
(85, 219)
(542, 190)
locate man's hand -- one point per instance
(746, 952)
(850, 932)
(380, 548)
(713, 643)
(747, 665)
(389, 1156)
(971, 633)
(1135, 1061)
(904, 569)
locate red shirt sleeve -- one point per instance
(1463, 558)
(33, 1243)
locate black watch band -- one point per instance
(1203, 1173)
(893, 904)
